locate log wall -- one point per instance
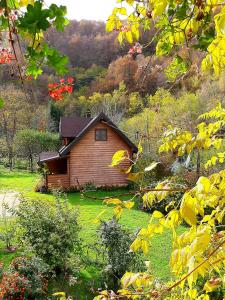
(58, 181)
(90, 159)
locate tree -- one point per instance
(29, 143)
(15, 114)
(191, 24)
(197, 258)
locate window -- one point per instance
(100, 134)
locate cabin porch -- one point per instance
(57, 176)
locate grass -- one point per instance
(134, 219)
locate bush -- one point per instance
(116, 242)
(14, 286)
(34, 270)
(51, 228)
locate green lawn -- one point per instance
(24, 182)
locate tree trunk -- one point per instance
(31, 163)
(10, 160)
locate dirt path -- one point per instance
(10, 199)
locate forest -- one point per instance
(135, 92)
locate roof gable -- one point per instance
(89, 125)
(70, 127)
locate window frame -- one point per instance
(106, 134)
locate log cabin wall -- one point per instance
(58, 181)
(90, 159)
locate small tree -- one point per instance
(29, 142)
(50, 228)
(116, 241)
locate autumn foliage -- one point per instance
(58, 90)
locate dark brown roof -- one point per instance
(44, 156)
(92, 122)
(70, 127)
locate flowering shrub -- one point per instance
(58, 90)
(35, 270)
(14, 286)
(25, 279)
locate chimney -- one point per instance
(88, 113)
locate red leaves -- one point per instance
(5, 56)
(14, 286)
(58, 90)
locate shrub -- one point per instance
(116, 241)
(14, 286)
(34, 270)
(51, 228)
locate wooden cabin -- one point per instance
(88, 147)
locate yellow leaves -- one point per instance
(203, 185)
(202, 239)
(119, 205)
(215, 58)
(119, 10)
(192, 293)
(134, 176)
(129, 37)
(128, 204)
(215, 159)
(140, 148)
(119, 157)
(61, 295)
(212, 284)
(23, 3)
(97, 219)
(136, 280)
(104, 295)
(113, 23)
(157, 214)
(159, 7)
(118, 211)
(113, 201)
(160, 193)
(187, 210)
(141, 242)
(173, 219)
(177, 139)
(220, 22)
(148, 199)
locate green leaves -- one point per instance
(177, 68)
(58, 14)
(1, 103)
(35, 19)
(52, 58)
(32, 25)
